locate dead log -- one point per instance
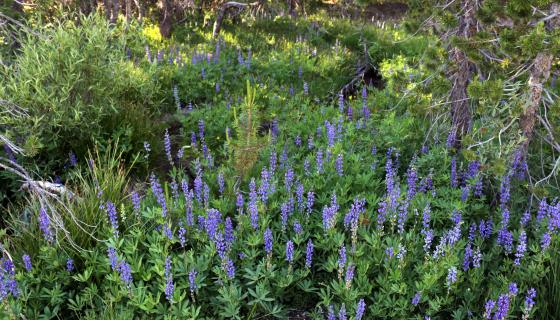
(224, 9)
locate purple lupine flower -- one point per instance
(529, 302)
(543, 208)
(341, 102)
(310, 201)
(229, 268)
(310, 144)
(148, 149)
(411, 179)
(502, 307)
(454, 178)
(201, 129)
(428, 238)
(342, 312)
(451, 138)
(220, 179)
(451, 276)
(8, 283)
(341, 259)
(73, 159)
(305, 88)
(505, 239)
(330, 133)
(309, 254)
(288, 179)
(272, 162)
(488, 309)
(268, 241)
(181, 236)
(174, 190)
(505, 187)
(229, 232)
(289, 251)
(349, 113)
(349, 275)
(360, 309)
(298, 229)
(192, 281)
(545, 242)
(198, 186)
(468, 256)
(189, 208)
(265, 187)
(125, 273)
(45, 225)
(193, 138)
(331, 315)
(211, 224)
(477, 258)
(169, 286)
(69, 265)
(168, 232)
(472, 232)
(239, 203)
(206, 194)
(512, 289)
(416, 299)
(274, 129)
(27, 262)
(478, 187)
(525, 218)
(220, 244)
(299, 195)
(465, 193)
(167, 146)
(485, 228)
(319, 161)
(113, 259)
(112, 214)
(521, 247)
(158, 193)
(329, 217)
(136, 201)
(339, 164)
(254, 215)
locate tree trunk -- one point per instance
(107, 7)
(461, 117)
(540, 73)
(128, 10)
(291, 8)
(141, 10)
(222, 12)
(115, 11)
(166, 18)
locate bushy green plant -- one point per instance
(78, 89)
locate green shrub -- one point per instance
(78, 89)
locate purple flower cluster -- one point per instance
(45, 225)
(290, 251)
(169, 286)
(8, 284)
(158, 193)
(27, 262)
(113, 219)
(309, 254)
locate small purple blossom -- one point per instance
(27, 262)
(309, 254)
(290, 251)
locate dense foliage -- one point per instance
(229, 178)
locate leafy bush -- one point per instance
(79, 90)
